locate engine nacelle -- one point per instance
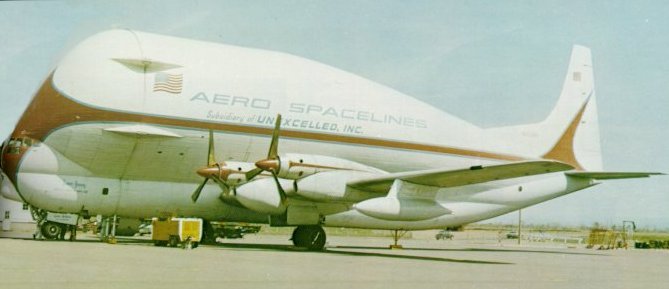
(230, 174)
(297, 166)
(234, 173)
(263, 196)
(331, 186)
(396, 209)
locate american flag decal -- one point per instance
(170, 83)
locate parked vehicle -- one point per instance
(145, 229)
(235, 231)
(184, 232)
(444, 235)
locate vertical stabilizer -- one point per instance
(575, 116)
(570, 133)
(577, 88)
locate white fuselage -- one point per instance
(136, 110)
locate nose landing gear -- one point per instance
(53, 230)
(50, 229)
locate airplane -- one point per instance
(136, 124)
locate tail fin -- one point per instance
(570, 133)
(576, 114)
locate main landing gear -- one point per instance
(397, 235)
(310, 237)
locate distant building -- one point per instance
(15, 215)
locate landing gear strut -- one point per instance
(108, 229)
(310, 237)
(209, 235)
(397, 235)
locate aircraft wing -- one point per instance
(454, 178)
(612, 175)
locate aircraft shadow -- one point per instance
(341, 250)
(119, 240)
(475, 250)
(338, 251)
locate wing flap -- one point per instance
(455, 178)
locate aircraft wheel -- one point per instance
(51, 230)
(208, 234)
(173, 241)
(310, 237)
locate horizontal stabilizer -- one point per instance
(455, 178)
(145, 65)
(613, 175)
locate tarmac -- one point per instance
(270, 261)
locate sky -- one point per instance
(492, 63)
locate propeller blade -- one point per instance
(196, 193)
(253, 173)
(211, 159)
(274, 145)
(282, 193)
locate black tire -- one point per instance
(310, 237)
(52, 231)
(208, 233)
(174, 241)
(296, 236)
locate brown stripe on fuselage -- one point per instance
(49, 110)
(563, 150)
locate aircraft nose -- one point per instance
(207, 172)
(269, 165)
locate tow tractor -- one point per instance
(173, 232)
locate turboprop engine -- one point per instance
(404, 203)
(296, 166)
(320, 177)
(263, 195)
(395, 209)
(331, 186)
(229, 175)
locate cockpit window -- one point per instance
(15, 144)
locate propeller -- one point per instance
(213, 168)
(282, 193)
(272, 163)
(196, 193)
